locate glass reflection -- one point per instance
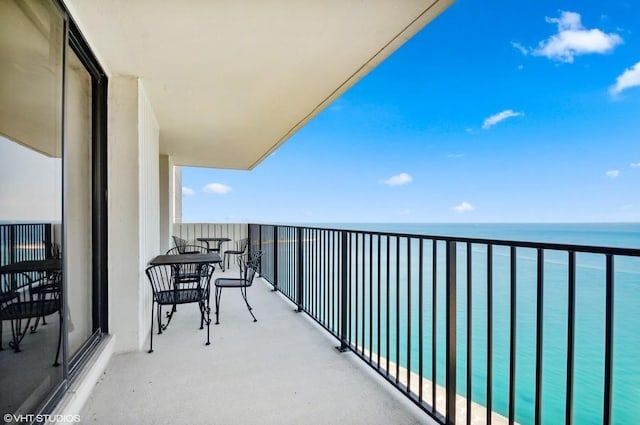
(31, 75)
(77, 201)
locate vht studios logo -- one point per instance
(40, 419)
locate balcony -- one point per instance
(513, 352)
(282, 369)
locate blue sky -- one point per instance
(504, 111)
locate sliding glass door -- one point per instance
(52, 205)
(32, 46)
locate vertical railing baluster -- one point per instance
(469, 332)
(332, 289)
(378, 299)
(356, 280)
(250, 248)
(434, 321)
(571, 323)
(325, 280)
(12, 244)
(318, 273)
(539, 335)
(408, 315)
(275, 258)
(48, 242)
(451, 333)
(397, 309)
(311, 266)
(512, 334)
(608, 353)
(313, 236)
(343, 292)
(299, 269)
(388, 354)
(370, 298)
(489, 334)
(260, 247)
(362, 256)
(420, 319)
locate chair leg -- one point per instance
(218, 295)
(244, 295)
(201, 307)
(151, 340)
(159, 314)
(55, 363)
(16, 330)
(208, 310)
(34, 328)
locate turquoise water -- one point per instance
(590, 315)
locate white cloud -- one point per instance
(500, 116)
(520, 48)
(398, 180)
(573, 39)
(187, 191)
(217, 188)
(464, 207)
(612, 174)
(629, 78)
(635, 165)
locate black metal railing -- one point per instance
(498, 323)
(21, 242)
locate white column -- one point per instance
(168, 193)
(133, 210)
(177, 194)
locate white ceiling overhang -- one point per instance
(230, 81)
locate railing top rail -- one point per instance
(590, 249)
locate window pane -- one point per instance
(31, 75)
(78, 202)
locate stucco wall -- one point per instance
(149, 210)
(133, 209)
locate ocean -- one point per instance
(589, 318)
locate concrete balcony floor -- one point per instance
(284, 369)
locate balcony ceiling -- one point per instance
(230, 81)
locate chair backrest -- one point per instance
(41, 293)
(165, 278)
(243, 244)
(187, 249)
(249, 274)
(15, 287)
(254, 259)
(179, 243)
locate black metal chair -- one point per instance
(184, 247)
(25, 298)
(187, 249)
(241, 283)
(178, 242)
(182, 271)
(243, 244)
(252, 260)
(190, 283)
